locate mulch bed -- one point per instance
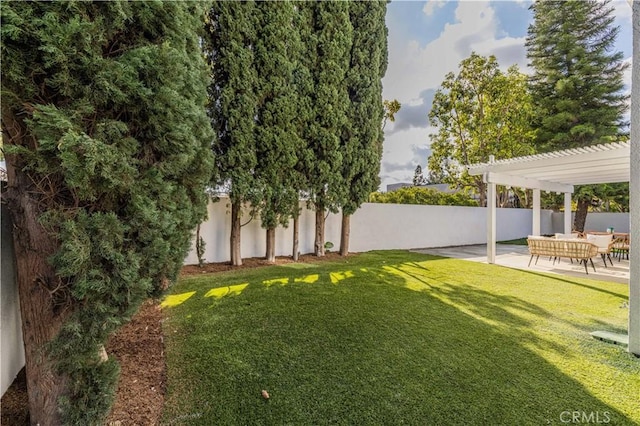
(138, 346)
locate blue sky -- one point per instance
(427, 39)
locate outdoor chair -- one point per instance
(604, 244)
(620, 248)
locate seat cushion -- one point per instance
(602, 241)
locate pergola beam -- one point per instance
(522, 182)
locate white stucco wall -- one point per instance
(373, 227)
(11, 345)
(596, 221)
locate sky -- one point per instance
(428, 39)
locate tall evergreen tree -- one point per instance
(303, 88)
(230, 47)
(108, 154)
(418, 177)
(278, 144)
(326, 33)
(362, 138)
(578, 79)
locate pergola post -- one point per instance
(535, 226)
(491, 222)
(634, 190)
(567, 212)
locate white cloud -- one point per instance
(403, 151)
(431, 5)
(414, 68)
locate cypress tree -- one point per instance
(304, 111)
(108, 154)
(578, 79)
(277, 142)
(361, 143)
(326, 33)
(230, 48)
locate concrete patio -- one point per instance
(517, 256)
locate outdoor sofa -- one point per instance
(556, 248)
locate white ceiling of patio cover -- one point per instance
(605, 163)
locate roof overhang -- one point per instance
(558, 171)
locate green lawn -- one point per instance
(393, 337)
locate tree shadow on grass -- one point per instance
(370, 352)
(576, 283)
(497, 369)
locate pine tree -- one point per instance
(578, 79)
(418, 177)
(230, 47)
(361, 143)
(326, 33)
(108, 154)
(277, 141)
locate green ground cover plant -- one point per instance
(394, 337)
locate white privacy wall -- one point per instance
(11, 344)
(597, 221)
(373, 227)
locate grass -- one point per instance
(517, 241)
(394, 337)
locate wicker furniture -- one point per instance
(572, 248)
(604, 243)
(620, 247)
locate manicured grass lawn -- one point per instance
(393, 337)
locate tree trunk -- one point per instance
(581, 215)
(344, 234)
(482, 192)
(296, 237)
(319, 241)
(43, 303)
(236, 256)
(271, 245)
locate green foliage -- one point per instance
(418, 195)
(326, 33)
(577, 82)
(418, 177)
(479, 112)
(391, 108)
(277, 141)
(111, 98)
(578, 79)
(228, 43)
(362, 137)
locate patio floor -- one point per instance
(516, 256)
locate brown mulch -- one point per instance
(138, 346)
(139, 349)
